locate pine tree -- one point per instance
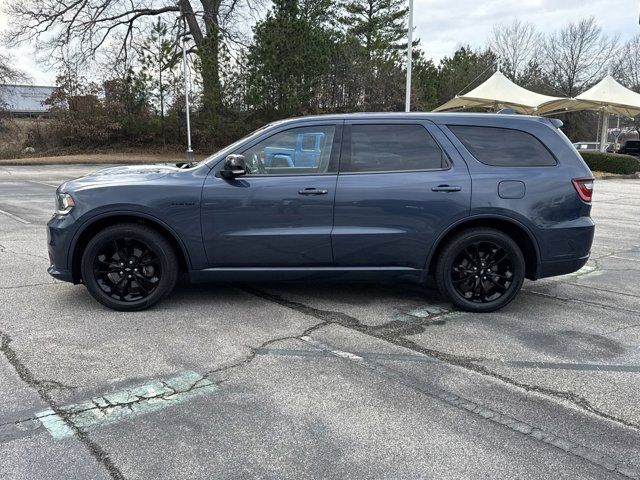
(380, 28)
(291, 53)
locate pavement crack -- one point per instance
(513, 423)
(253, 350)
(12, 287)
(581, 301)
(43, 388)
(4, 249)
(626, 327)
(345, 320)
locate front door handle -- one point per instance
(446, 188)
(313, 191)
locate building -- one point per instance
(24, 100)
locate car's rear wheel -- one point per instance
(129, 267)
(480, 270)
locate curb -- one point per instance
(619, 177)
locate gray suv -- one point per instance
(477, 202)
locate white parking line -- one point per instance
(15, 217)
(625, 258)
(43, 183)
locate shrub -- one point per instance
(611, 162)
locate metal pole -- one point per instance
(190, 155)
(407, 104)
(605, 132)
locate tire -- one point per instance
(495, 281)
(129, 267)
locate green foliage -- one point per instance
(158, 70)
(292, 52)
(379, 25)
(611, 162)
(306, 57)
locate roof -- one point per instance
(438, 118)
(499, 92)
(25, 98)
(607, 95)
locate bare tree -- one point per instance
(9, 73)
(578, 56)
(517, 46)
(627, 68)
(53, 25)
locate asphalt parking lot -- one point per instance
(318, 380)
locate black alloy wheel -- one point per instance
(480, 270)
(129, 267)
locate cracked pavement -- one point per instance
(318, 380)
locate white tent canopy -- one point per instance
(500, 92)
(607, 96)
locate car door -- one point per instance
(401, 183)
(275, 216)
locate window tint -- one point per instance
(503, 147)
(378, 148)
(302, 150)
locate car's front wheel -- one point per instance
(129, 267)
(480, 270)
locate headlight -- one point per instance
(64, 203)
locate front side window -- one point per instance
(302, 150)
(393, 147)
(503, 147)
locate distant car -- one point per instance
(594, 146)
(630, 147)
(478, 202)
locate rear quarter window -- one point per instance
(503, 147)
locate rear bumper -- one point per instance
(566, 247)
(561, 267)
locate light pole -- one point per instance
(185, 39)
(407, 103)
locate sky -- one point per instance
(443, 25)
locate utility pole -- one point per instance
(185, 39)
(407, 104)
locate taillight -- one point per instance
(584, 187)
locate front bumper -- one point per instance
(60, 231)
(59, 274)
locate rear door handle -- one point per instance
(313, 191)
(446, 188)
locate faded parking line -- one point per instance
(43, 183)
(121, 405)
(591, 367)
(15, 217)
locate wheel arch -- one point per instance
(100, 222)
(515, 229)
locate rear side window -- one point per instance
(393, 147)
(503, 147)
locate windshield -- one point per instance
(230, 148)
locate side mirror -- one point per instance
(234, 166)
